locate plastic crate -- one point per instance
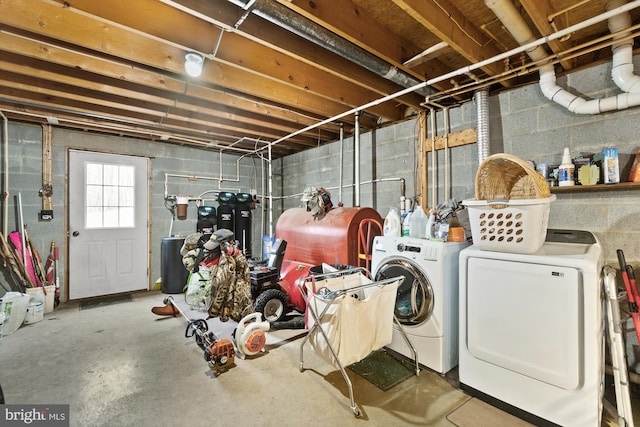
(517, 226)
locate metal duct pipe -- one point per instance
(481, 99)
(284, 17)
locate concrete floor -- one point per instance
(121, 365)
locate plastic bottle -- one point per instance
(406, 223)
(431, 225)
(392, 225)
(566, 170)
(418, 223)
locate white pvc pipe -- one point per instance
(356, 162)
(516, 25)
(434, 167)
(341, 179)
(5, 170)
(622, 61)
(262, 191)
(447, 189)
(270, 194)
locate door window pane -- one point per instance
(110, 196)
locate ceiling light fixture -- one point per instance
(193, 63)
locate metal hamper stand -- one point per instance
(615, 338)
(325, 293)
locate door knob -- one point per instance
(76, 233)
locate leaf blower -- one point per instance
(250, 335)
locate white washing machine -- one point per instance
(427, 300)
(531, 329)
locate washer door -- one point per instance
(414, 302)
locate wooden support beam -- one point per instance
(46, 192)
(455, 139)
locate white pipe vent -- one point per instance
(622, 66)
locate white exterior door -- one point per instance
(108, 224)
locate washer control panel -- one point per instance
(429, 253)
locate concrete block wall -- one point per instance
(25, 177)
(388, 154)
(522, 122)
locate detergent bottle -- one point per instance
(392, 225)
(406, 224)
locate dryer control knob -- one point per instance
(401, 247)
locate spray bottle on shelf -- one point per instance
(566, 170)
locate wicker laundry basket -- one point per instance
(511, 209)
(508, 177)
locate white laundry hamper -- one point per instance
(353, 324)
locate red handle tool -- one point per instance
(629, 279)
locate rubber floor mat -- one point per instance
(383, 370)
(101, 301)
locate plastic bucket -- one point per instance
(49, 298)
(36, 294)
(35, 313)
(14, 307)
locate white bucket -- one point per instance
(2, 316)
(35, 313)
(14, 307)
(49, 298)
(36, 294)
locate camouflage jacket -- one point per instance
(230, 289)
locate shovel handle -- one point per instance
(621, 260)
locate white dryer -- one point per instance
(531, 329)
(427, 300)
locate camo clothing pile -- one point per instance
(229, 288)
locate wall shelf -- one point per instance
(598, 187)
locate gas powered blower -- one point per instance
(250, 335)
